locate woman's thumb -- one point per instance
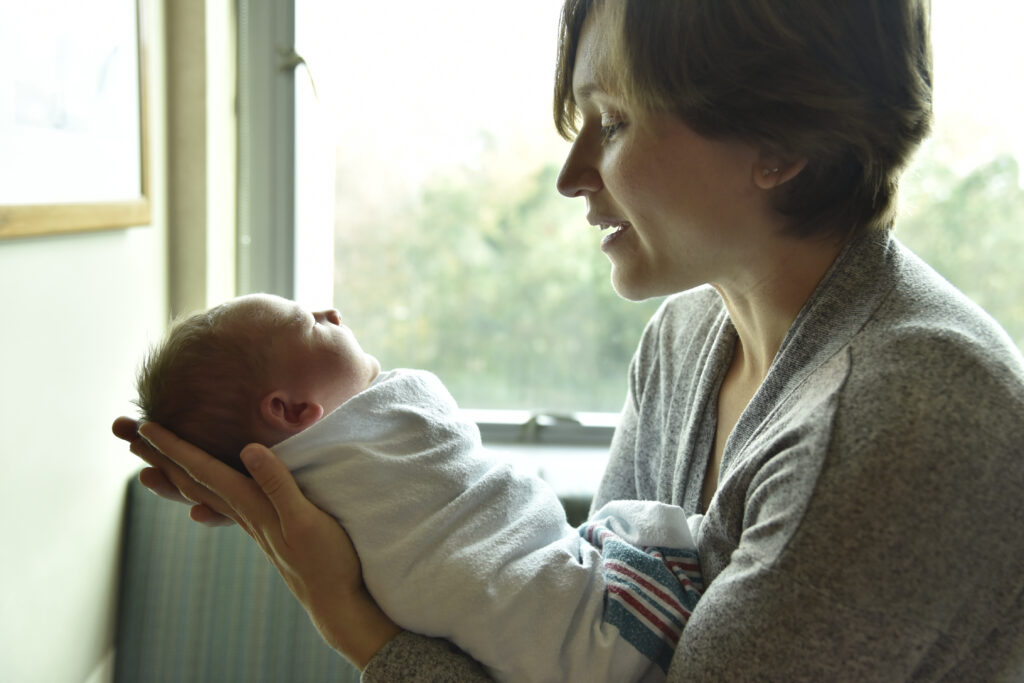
(271, 475)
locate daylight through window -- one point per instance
(454, 252)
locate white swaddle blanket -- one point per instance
(456, 544)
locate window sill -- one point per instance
(567, 451)
(572, 471)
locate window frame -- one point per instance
(267, 231)
(266, 172)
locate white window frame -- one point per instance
(266, 147)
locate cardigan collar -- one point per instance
(851, 290)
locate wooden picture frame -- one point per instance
(74, 132)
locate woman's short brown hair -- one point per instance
(846, 84)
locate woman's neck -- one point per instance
(765, 300)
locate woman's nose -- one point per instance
(579, 176)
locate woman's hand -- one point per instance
(168, 480)
(308, 547)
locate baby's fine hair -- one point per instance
(203, 382)
(846, 84)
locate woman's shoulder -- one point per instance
(917, 369)
(931, 372)
(930, 336)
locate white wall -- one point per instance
(75, 313)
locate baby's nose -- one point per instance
(332, 316)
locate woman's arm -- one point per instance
(310, 550)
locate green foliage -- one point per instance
(491, 279)
(500, 288)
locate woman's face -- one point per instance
(681, 208)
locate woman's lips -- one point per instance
(617, 231)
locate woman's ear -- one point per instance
(770, 171)
(282, 412)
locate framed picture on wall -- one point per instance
(72, 123)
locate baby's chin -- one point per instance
(355, 388)
(374, 365)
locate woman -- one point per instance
(850, 425)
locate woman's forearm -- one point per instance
(412, 657)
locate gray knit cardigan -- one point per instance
(869, 518)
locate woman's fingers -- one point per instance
(209, 516)
(158, 476)
(126, 429)
(187, 488)
(154, 480)
(205, 480)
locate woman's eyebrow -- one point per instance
(586, 91)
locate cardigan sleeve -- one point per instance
(412, 657)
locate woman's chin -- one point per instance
(632, 288)
(628, 288)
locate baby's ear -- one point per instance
(283, 412)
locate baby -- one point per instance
(453, 543)
(256, 369)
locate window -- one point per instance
(454, 252)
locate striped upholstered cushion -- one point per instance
(201, 605)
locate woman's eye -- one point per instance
(609, 129)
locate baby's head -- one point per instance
(257, 368)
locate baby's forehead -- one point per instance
(263, 311)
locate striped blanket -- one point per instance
(651, 589)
